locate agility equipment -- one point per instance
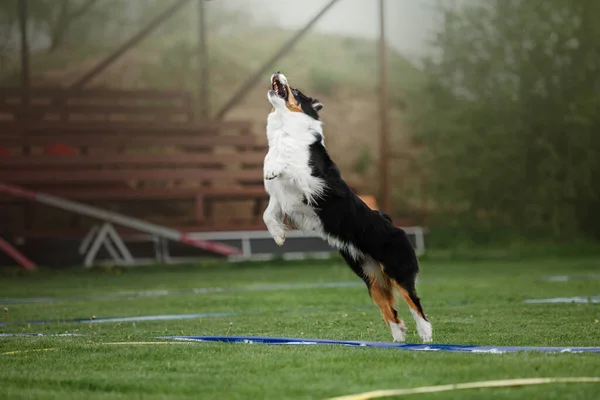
(106, 234)
(16, 255)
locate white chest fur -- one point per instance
(288, 179)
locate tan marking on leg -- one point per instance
(408, 300)
(385, 301)
(384, 298)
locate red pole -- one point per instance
(16, 255)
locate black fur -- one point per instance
(307, 103)
(345, 216)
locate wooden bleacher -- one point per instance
(139, 147)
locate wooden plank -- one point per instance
(8, 128)
(130, 194)
(94, 109)
(90, 193)
(218, 224)
(46, 161)
(211, 225)
(120, 175)
(139, 94)
(122, 141)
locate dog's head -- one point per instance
(283, 96)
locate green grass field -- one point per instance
(470, 302)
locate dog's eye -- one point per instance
(295, 92)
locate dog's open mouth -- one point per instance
(280, 88)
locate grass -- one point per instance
(469, 302)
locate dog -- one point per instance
(305, 187)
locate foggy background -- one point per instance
(493, 104)
(410, 24)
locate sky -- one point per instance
(410, 24)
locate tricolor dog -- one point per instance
(306, 188)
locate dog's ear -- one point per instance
(318, 106)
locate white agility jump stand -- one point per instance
(107, 235)
(113, 243)
(247, 238)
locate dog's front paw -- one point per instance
(280, 239)
(272, 174)
(273, 170)
(276, 230)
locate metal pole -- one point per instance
(203, 92)
(384, 137)
(25, 75)
(102, 65)
(245, 89)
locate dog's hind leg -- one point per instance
(409, 295)
(381, 292)
(380, 289)
(406, 286)
(402, 269)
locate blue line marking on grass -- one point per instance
(382, 345)
(592, 299)
(158, 293)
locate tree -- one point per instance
(509, 117)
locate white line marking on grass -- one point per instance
(592, 299)
(159, 293)
(460, 386)
(142, 318)
(168, 317)
(566, 278)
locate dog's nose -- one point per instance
(278, 72)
